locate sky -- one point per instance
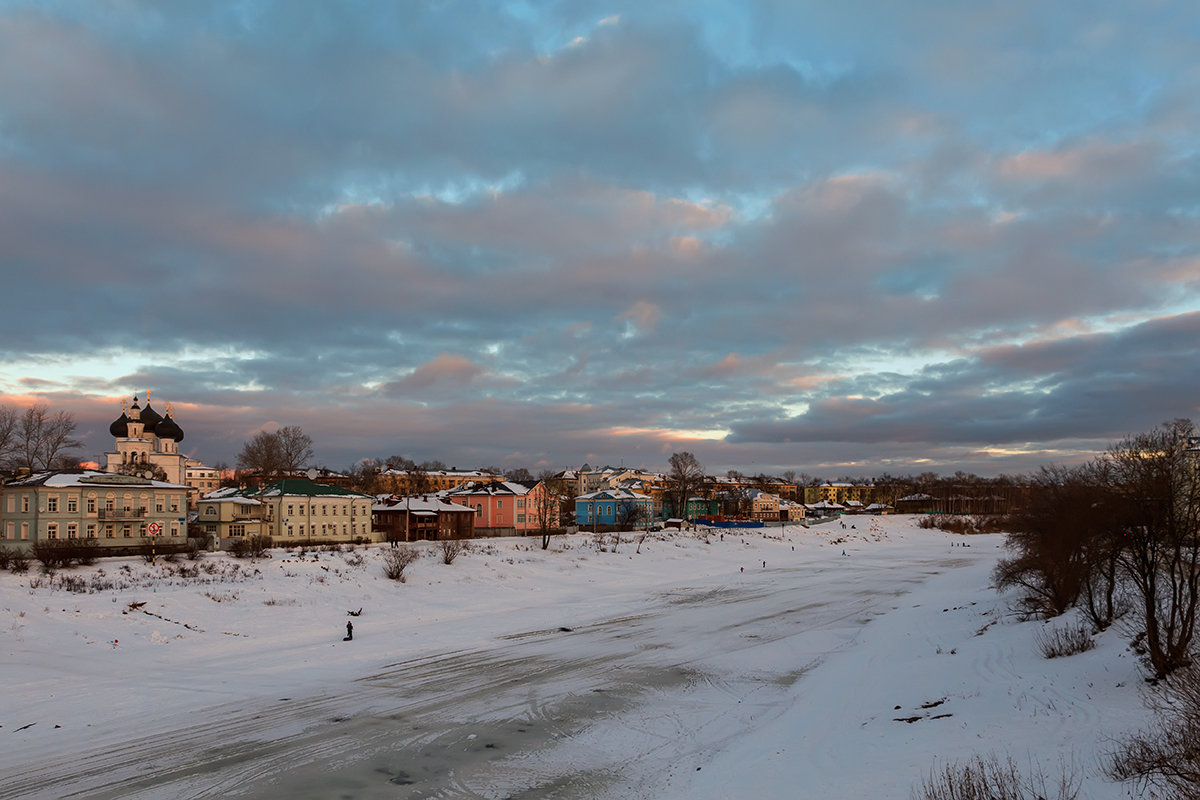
(843, 239)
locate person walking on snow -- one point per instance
(349, 631)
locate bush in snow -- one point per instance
(1066, 641)
(396, 560)
(255, 546)
(990, 778)
(451, 549)
(1167, 755)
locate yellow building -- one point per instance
(118, 511)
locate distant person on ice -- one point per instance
(349, 631)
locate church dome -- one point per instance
(150, 418)
(167, 428)
(120, 427)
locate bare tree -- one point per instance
(1050, 538)
(684, 478)
(295, 447)
(418, 480)
(546, 506)
(8, 430)
(276, 454)
(364, 476)
(41, 440)
(1155, 475)
(399, 462)
(630, 515)
(261, 455)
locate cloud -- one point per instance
(930, 235)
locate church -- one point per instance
(147, 442)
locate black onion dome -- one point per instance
(169, 429)
(150, 418)
(120, 427)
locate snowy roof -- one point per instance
(613, 494)
(419, 505)
(825, 504)
(81, 478)
(492, 488)
(240, 500)
(913, 498)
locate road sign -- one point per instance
(154, 528)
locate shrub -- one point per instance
(1063, 641)
(254, 546)
(396, 560)
(84, 551)
(195, 548)
(18, 562)
(989, 778)
(5, 557)
(1166, 755)
(450, 549)
(52, 553)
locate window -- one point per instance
(521, 502)
(72, 530)
(72, 504)
(52, 530)
(108, 531)
(9, 529)
(210, 511)
(237, 530)
(478, 510)
(174, 505)
(25, 503)
(12, 503)
(324, 510)
(110, 503)
(127, 530)
(301, 530)
(499, 504)
(158, 505)
(91, 505)
(520, 517)
(24, 530)
(291, 510)
(291, 530)
(91, 530)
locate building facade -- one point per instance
(412, 519)
(290, 511)
(118, 511)
(613, 508)
(503, 507)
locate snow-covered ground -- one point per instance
(692, 665)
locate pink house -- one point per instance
(502, 506)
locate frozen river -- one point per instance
(630, 705)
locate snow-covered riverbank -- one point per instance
(760, 663)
